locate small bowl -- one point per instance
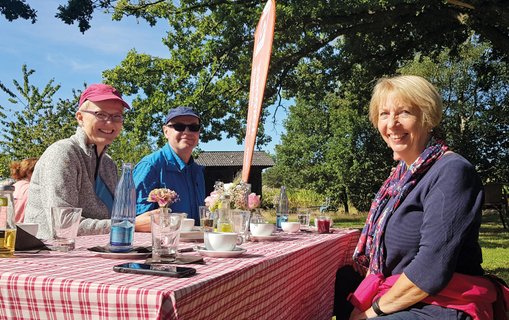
(261, 229)
(187, 224)
(290, 227)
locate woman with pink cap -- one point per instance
(77, 171)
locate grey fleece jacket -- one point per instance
(65, 176)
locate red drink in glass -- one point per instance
(323, 225)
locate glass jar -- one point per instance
(7, 225)
(224, 219)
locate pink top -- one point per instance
(20, 199)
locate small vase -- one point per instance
(165, 229)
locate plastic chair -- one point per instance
(495, 197)
(325, 206)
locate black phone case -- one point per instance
(180, 273)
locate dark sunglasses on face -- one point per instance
(180, 127)
(104, 116)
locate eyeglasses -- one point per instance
(180, 127)
(104, 116)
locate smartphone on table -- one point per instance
(155, 269)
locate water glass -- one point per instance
(207, 219)
(165, 227)
(240, 221)
(65, 225)
(304, 216)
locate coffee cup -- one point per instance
(261, 229)
(221, 241)
(187, 224)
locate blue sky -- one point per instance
(59, 51)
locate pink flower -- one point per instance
(253, 201)
(164, 197)
(212, 201)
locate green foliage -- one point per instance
(309, 25)
(475, 89)
(15, 9)
(298, 198)
(38, 122)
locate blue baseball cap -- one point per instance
(181, 111)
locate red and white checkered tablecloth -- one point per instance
(292, 278)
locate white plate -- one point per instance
(123, 255)
(222, 254)
(191, 235)
(264, 238)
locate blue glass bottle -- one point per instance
(124, 212)
(282, 208)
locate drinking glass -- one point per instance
(323, 224)
(207, 219)
(304, 215)
(65, 225)
(165, 226)
(240, 220)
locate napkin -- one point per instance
(26, 242)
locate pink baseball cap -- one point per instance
(100, 92)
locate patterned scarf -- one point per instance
(370, 252)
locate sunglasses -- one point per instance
(180, 127)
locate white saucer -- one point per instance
(264, 238)
(222, 254)
(123, 255)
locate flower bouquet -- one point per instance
(238, 194)
(164, 197)
(164, 225)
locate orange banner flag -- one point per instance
(264, 34)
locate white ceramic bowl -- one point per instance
(262, 229)
(187, 224)
(290, 227)
(31, 228)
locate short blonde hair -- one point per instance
(415, 90)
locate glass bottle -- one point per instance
(224, 221)
(7, 225)
(282, 208)
(124, 212)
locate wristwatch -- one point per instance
(377, 309)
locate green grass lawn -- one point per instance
(494, 239)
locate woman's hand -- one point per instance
(142, 222)
(361, 315)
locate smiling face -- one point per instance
(402, 128)
(183, 142)
(101, 133)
